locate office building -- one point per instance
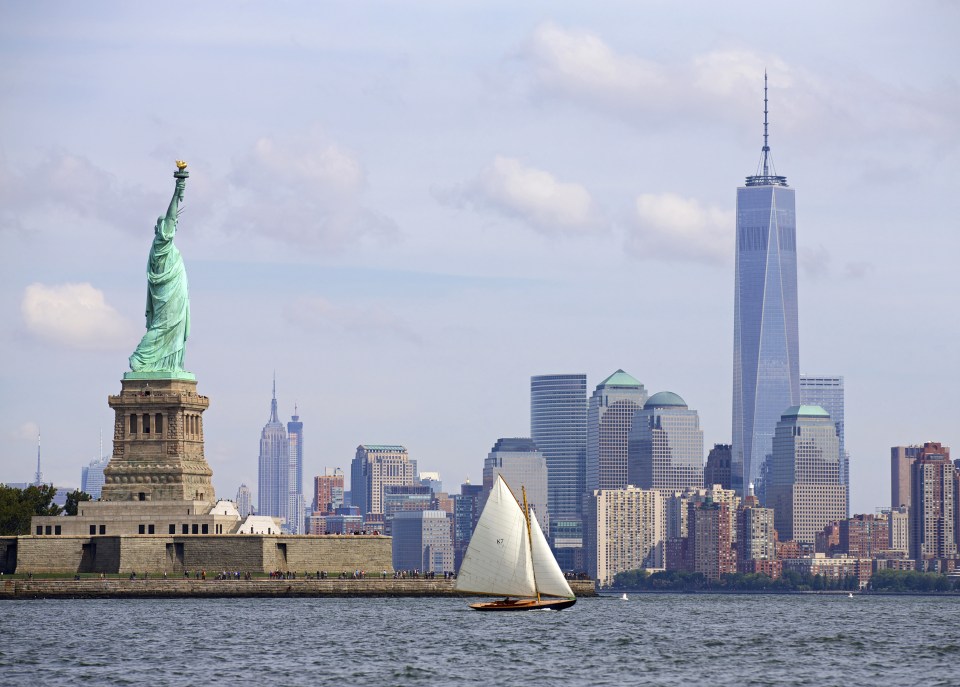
(756, 538)
(717, 469)
(827, 392)
(375, 466)
(328, 491)
(296, 507)
(244, 501)
(522, 465)
(710, 540)
(423, 541)
(899, 528)
(665, 446)
(466, 512)
(615, 402)
(91, 477)
(273, 488)
(804, 486)
(901, 462)
(626, 531)
(558, 427)
(766, 342)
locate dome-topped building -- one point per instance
(666, 445)
(665, 399)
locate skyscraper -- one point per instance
(827, 392)
(558, 426)
(717, 469)
(374, 466)
(804, 486)
(933, 504)
(625, 529)
(295, 501)
(91, 477)
(244, 501)
(613, 405)
(273, 488)
(901, 462)
(766, 347)
(328, 491)
(666, 445)
(521, 464)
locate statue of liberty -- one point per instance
(168, 306)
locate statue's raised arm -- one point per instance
(168, 306)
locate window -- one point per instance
(56, 529)
(103, 529)
(158, 423)
(142, 529)
(146, 423)
(39, 529)
(133, 424)
(173, 529)
(143, 497)
(93, 529)
(150, 529)
(185, 529)
(196, 528)
(205, 529)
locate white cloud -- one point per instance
(28, 430)
(533, 196)
(577, 64)
(814, 261)
(306, 191)
(670, 226)
(75, 316)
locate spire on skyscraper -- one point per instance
(38, 478)
(764, 177)
(273, 404)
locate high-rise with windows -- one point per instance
(827, 392)
(804, 486)
(558, 427)
(666, 445)
(766, 347)
(373, 467)
(523, 467)
(295, 501)
(273, 487)
(91, 477)
(615, 402)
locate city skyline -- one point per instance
(421, 232)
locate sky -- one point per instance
(404, 210)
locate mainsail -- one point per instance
(498, 560)
(549, 578)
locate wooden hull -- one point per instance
(524, 605)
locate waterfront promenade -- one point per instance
(178, 587)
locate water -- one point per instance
(668, 639)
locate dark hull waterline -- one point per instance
(524, 605)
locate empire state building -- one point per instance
(766, 347)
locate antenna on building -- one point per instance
(766, 146)
(38, 478)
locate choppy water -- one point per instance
(648, 640)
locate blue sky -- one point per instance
(408, 209)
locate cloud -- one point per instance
(73, 185)
(667, 225)
(75, 316)
(305, 191)
(577, 65)
(531, 195)
(28, 430)
(371, 322)
(858, 270)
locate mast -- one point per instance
(526, 516)
(766, 144)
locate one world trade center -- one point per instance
(766, 370)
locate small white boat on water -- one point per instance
(624, 597)
(508, 556)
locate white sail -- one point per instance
(498, 559)
(546, 571)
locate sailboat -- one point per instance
(508, 556)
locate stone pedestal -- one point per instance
(158, 443)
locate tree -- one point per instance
(17, 506)
(73, 501)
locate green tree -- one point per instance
(17, 506)
(73, 501)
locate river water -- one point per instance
(669, 639)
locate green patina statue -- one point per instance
(160, 353)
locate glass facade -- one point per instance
(273, 485)
(766, 348)
(558, 427)
(614, 403)
(827, 392)
(666, 447)
(520, 464)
